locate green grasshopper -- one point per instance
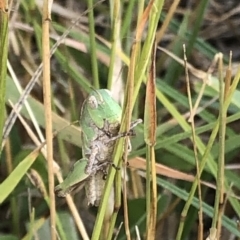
(100, 122)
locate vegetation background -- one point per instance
(110, 44)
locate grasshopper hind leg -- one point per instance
(91, 161)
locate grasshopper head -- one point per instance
(98, 107)
(98, 97)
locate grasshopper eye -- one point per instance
(92, 102)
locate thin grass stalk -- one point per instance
(75, 214)
(144, 55)
(62, 149)
(37, 225)
(228, 77)
(38, 33)
(191, 120)
(117, 204)
(72, 99)
(222, 208)
(115, 26)
(155, 8)
(39, 183)
(126, 30)
(172, 76)
(3, 61)
(154, 198)
(167, 20)
(31, 224)
(27, 105)
(118, 179)
(221, 157)
(151, 193)
(231, 90)
(118, 231)
(93, 49)
(127, 17)
(126, 118)
(148, 189)
(224, 116)
(206, 155)
(63, 154)
(31, 7)
(13, 199)
(195, 183)
(198, 15)
(150, 124)
(140, 12)
(46, 18)
(128, 108)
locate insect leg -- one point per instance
(103, 167)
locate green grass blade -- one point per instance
(16, 175)
(3, 65)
